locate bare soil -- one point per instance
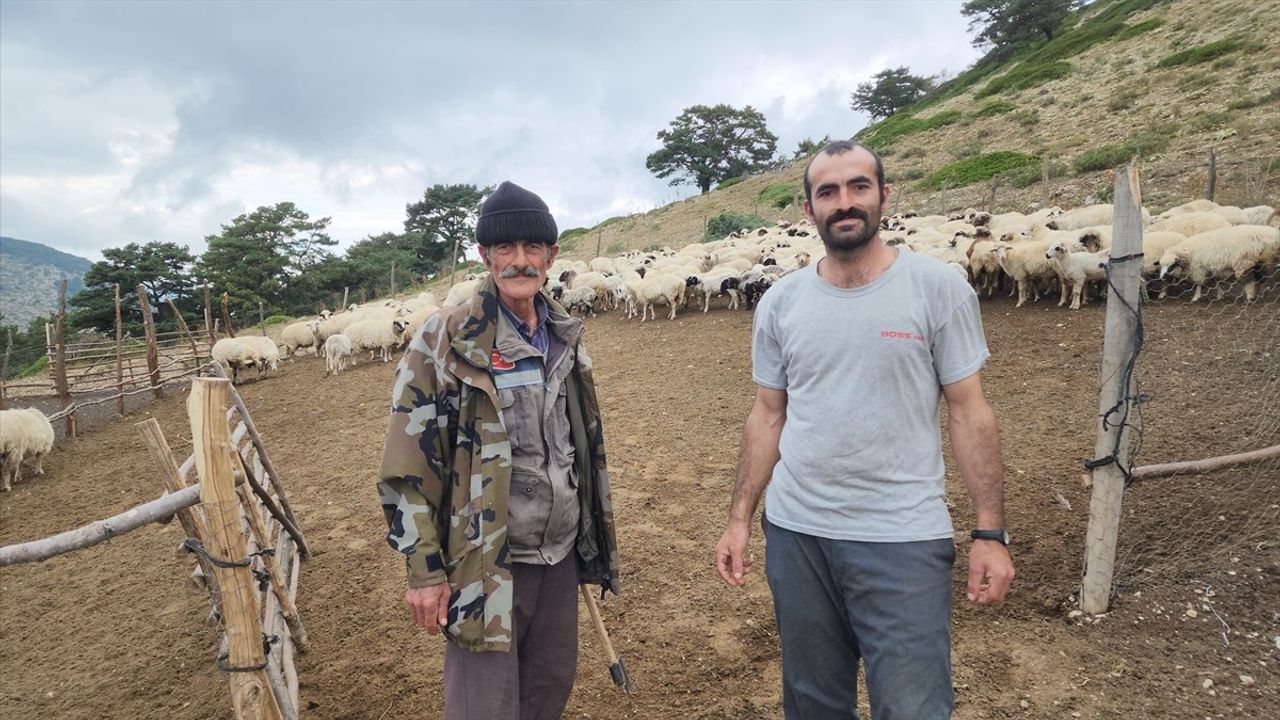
(115, 631)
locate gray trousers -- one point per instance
(838, 602)
(533, 680)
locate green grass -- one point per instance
(34, 368)
(1195, 81)
(1026, 118)
(992, 109)
(1137, 29)
(609, 221)
(976, 169)
(573, 233)
(275, 320)
(1211, 120)
(615, 248)
(729, 182)
(1201, 53)
(1252, 102)
(727, 222)
(1123, 99)
(1025, 75)
(1111, 156)
(779, 195)
(884, 133)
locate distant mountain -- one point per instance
(30, 275)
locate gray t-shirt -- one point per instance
(861, 449)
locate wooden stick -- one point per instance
(617, 669)
(208, 316)
(1147, 472)
(291, 671)
(149, 327)
(182, 326)
(278, 586)
(251, 695)
(270, 504)
(226, 316)
(119, 354)
(60, 359)
(276, 483)
(4, 368)
(99, 530)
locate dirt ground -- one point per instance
(115, 631)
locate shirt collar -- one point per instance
(528, 333)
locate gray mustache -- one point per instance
(513, 271)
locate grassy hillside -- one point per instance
(1165, 79)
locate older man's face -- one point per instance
(519, 268)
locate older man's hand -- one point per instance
(429, 606)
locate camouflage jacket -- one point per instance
(446, 471)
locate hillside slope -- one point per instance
(1169, 79)
(30, 277)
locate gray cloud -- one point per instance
(171, 118)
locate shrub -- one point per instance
(992, 109)
(779, 195)
(1201, 53)
(1123, 99)
(1139, 28)
(1110, 156)
(976, 169)
(912, 152)
(35, 367)
(615, 248)
(275, 320)
(609, 221)
(884, 133)
(1026, 118)
(1211, 120)
(1253, 102)
(729, 182)
(573, 233)
(1028, 175)
(1025, 75)
(728, 222)
(1195, 81)
(905, 174)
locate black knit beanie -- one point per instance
(512, 213)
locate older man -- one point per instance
(493, 477)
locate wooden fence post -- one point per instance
(262, 321)
(1120, 345)
(1044, 181)
(345, 292)
(226, 316)
(182, 325)
(453, 262)
(1211, 187)
(119, 355)
(251, 695)
(208, 315)
(60, 358)
(4, 368)
(153, 351)
(279, 585)
(393, 278)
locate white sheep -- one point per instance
(1226, 253)
(337, 353)
(298, 335)
(711, 284)
(656, 288)
(378, 335)
(25, 436)
(461, 293)
(581, 298)
(246, 351)
(1077, 270)
(1191, 223)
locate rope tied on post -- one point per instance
(267, 641)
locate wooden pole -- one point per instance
(182, 326)
(1044, 181)
(991, 197)
(278, 585)
(99, 530)
(1211, 187)
(60, 358)
(453, 263)
(262, 321)
(226, 316)
(346, 291)
(290, 527)
(599, 238)
(119, 355)
(4, 368)
(192, 522)
(153, 352)
(1119, 354)
(393, 278)
(208, 315)
(1147, 472)
(251, 695)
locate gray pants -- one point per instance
(534, 679)
(838, 602)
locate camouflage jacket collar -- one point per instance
(477, 335)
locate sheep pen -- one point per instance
(674, 396)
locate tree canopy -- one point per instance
(1005, 25)
(264, 256)
(888, 91)
(706, 144)
(446, 214)
(809, 146)
(162, 268)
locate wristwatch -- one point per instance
(1001, 536)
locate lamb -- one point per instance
(337, 353)
(1077, 269)
(582, 299)
(1229, 252)
(715, 283)
(301, 335)
(246, 351)
(1026, 263)
(25, 436)
(659, 287)
(378, 335)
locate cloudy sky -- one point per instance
(130, 122)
